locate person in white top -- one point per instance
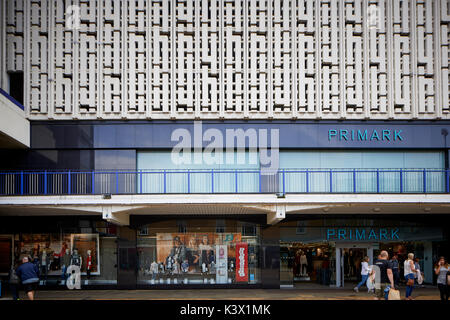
(409, 271)
(365, 270)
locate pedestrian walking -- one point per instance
(418, 276)
(364, 273)
(395, 269)
(29, 276)
(386, 276)
(409, 272)
(442, 270)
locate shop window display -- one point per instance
(54, 253)
(197, 258)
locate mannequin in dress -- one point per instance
(88, 264)
(303, 264)
(154, 269)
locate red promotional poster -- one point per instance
(241, 262)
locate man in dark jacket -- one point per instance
(29, 275)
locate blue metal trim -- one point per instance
(189, 181)
(424, 181)
(378, 181)
(45, 182)
(212, 180)
(236, 180)
(17, 103)
(401, 181)
(93, 182)
(331, 181)
(69, 187)
(307, 181)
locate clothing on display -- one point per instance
(88, 264)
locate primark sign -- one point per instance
(372, 135)
(362, 234)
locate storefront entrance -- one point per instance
(349, 258)
(307, 265)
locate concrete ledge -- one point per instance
(14, 127)
(271, 199)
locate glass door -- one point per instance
(348, 266)
(286, 267)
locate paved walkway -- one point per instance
(220, 294)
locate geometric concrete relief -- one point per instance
(227, 59)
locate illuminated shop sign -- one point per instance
(363, 234)
(365, 135)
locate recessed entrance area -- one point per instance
(349, 258)
(307, 265)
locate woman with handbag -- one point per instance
(442, 269)
(409, 271)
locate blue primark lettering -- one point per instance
(387, 134)
(374, 135)
(362, 137)
(394, 234)
(343, 134)
(331, 133)
(397, 135)
(372, 234)
(360, 235)
(330, 232)
(383, 234)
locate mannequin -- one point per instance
(303, 264)
(169, 264)
(176, 267)
(204, 269)
(76, 259)
(231, 266)
(88, 264)
(44, 264)
(65, 262)
(185, 266)
(154, 269)
(212, 267)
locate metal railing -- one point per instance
(224, 181)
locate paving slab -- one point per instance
(219, 294)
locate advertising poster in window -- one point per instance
(241, 262)
(193, 253)
(222, 264)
